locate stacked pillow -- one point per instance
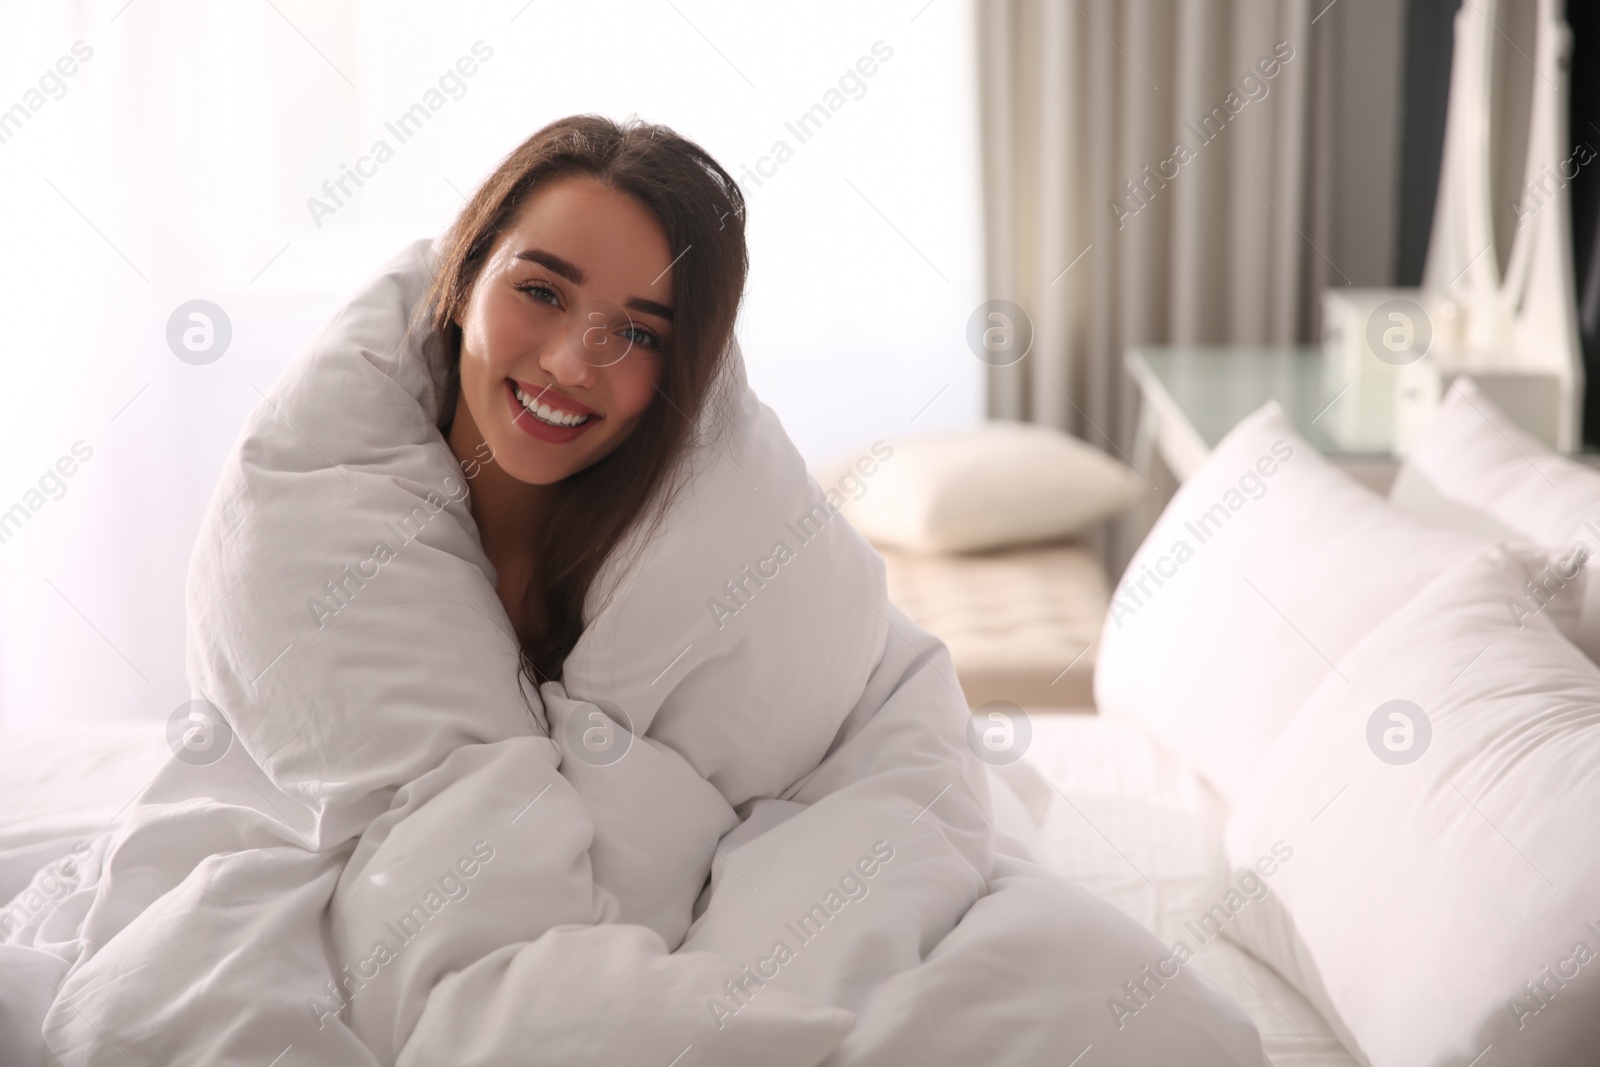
(1262, 573)
(1387, 692)
(1440, 795)
(1475, 470)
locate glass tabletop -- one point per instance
(1215, 386)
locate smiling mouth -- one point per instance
(537, 404)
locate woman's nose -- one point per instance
(571, 358)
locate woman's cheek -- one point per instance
(497, 328)
(638, 386)
(495, 338)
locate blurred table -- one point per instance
(1193, 395)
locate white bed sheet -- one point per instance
(1117, 814)
(58, 786)
(1130, 822)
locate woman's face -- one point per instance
(563, 334)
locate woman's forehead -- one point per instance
(612, 242)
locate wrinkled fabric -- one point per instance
(746, 827)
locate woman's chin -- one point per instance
(542, 470)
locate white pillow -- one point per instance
(1475, 470)
(1420, 897)
(1263, 572)
(989, 486)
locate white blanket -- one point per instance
(752, 834)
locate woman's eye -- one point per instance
(541, 292)
(640, 336)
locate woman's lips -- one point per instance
(536, 427)
(543, 394)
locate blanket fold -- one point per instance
(744, 827)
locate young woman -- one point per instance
(586, 298)
(387, 863)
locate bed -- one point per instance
(1127, 820)
(1116, 813)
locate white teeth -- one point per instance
(544, 412)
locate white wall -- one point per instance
(176, 161)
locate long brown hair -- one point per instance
(702, 211)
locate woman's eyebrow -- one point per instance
(649, 307)
(568, 270)
(574, 274)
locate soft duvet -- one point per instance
(744, 828)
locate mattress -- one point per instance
(59, 785)
(1128, 821)
(1114, 812)
(1021, 624)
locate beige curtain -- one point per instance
(1106, 234)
